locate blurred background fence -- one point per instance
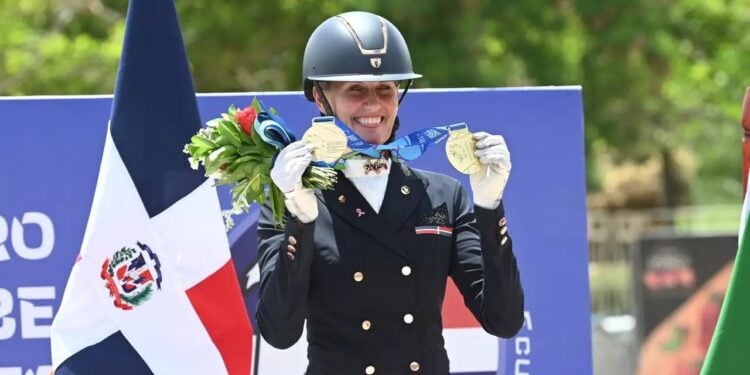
(614, 238)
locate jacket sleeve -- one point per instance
(284, 282)
(484, 268)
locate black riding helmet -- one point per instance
(356, 47)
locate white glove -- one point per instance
(287, 175)
(489, 182)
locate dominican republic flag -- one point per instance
(153, 289)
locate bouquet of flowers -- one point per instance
(239, 148)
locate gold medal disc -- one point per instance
(328, 140)
(460, 150)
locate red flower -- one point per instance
(246, 118)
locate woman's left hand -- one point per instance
(489, 182)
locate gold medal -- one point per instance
(328, 140)
(461, 153)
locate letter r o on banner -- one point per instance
(18, 241)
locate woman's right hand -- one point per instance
(287, 175)
(290, 165)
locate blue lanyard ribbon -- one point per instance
(273, 130)
(408, 147)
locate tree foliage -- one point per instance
(657, 76)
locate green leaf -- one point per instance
(245, 138)
(262, 146)
(227, 117)
(244, 159)
(261, 199)
(234, 175)
(239, 189)
(247, 169)
(255, 182)
(250, 150)
(230, 133)
(322, 178)
(192, 149)
(217, 158)
(213, 123)
(203, 142)
(277, 204)
(256, 104)
(254, 191)
(254, 196)
(257, 140)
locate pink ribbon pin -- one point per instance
(360, 212)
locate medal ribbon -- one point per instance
(272, 129)
(408, 147)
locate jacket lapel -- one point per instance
(403, 193)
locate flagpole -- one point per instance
(745, 139)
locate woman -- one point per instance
(366, 263)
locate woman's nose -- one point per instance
(372, 99)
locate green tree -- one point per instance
(58, 47)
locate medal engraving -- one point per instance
(328, 140)
(460, 150)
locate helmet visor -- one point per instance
(365, 77)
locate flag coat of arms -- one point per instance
(154, 289)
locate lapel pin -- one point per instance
(405, 190)
(360, 213)
(342, 199)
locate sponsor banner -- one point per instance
(53, 149)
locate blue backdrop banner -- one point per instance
(51, 153)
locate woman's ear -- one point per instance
(318, 96)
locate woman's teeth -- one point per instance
(368, 120)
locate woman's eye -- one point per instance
(386, 91)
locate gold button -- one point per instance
(502, 222)
(358, 276)
(414, 366)
(292, 240)
(405, 190)
(291, 249)
(408, 318)
(369, 370)
(342, 199)
(366, 325)
(504, 240)
(504, 230)
(290, 256)
(406, 270)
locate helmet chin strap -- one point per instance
(403, 94)
(396, 122)
(393, 132)
(326, 105)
